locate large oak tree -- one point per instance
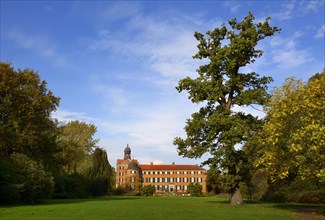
(216, 128)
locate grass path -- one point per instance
(147, 208)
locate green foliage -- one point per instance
(217, 128)
(76, 139)
(292, 142)
(100, 173)
(25, 108)
(8, 180)
(73, 185)
(215, 182)
(148, 190)
(33, 183)
(118, 191)
(194, 189)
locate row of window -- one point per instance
(172, 180)
(172, 172)
(168, 180)
(162, 172)
(166, 187)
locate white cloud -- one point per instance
(313, 6)
(65, 116)
(113, 95)
(286, 54)
(233, 5)
(286, 13)
(320, 32)
(39, 43)
(166, 47)
(42, 46)
(120, 10)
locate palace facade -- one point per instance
(132, 175)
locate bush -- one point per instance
(194, 189)
(71, 186)
(147, 190)
(98, 186)
(32, 182)
(118, 191)
(8, 192)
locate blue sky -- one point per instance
(116, 63)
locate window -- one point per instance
(198, 172)
(151, 180)
(178, 179)
(185, 179)
(171, 172)
(185, 172)
(166, 180)
(185, 187)
(199, 179)
(171, 179)
(192, 172)
(192, 179)
(132, 179)
(160, 172)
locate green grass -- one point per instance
(147, 208)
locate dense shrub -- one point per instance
(71, 186)
(31, 181)
(147, 190)
(8, 190)
(118, 191)
(194, 189)
(98, 186)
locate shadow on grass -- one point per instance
(219, 202)
(306, 208)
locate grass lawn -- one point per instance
(147, 208)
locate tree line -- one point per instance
(282, 156)
(41, 157)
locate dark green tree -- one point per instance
(147, 190)
(100, 173)
(194, 189)
(216, 128)
(25, 108)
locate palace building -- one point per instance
(132, 175)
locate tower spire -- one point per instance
(127, 153)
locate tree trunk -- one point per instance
(236, 198)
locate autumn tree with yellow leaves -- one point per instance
(293, 137)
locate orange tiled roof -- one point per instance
(170, 167)
(122, 161)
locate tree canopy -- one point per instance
(292, 141)
(216, 128)
(36, 149)
(77, 143)
(25, 108)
